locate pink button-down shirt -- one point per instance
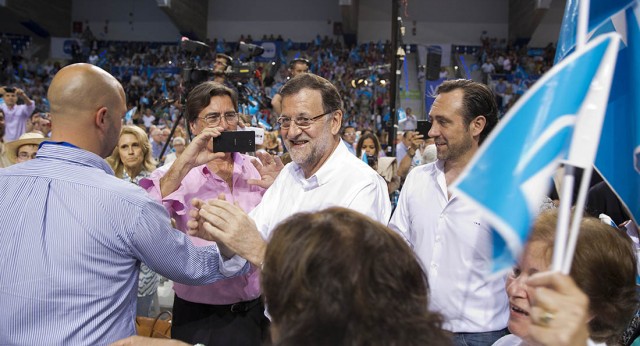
(201, 183)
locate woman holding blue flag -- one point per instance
(604, 268)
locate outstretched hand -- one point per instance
(228, 225)
(268, 166)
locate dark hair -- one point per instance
(360, 143)
(331, 99)
(344, 129)
(604, 267)
(200, 97)
(224, 56)
(10, 90)
(478, 100)
(299, 61)
(336, 277)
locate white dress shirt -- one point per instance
(343, 181)
(453, 242)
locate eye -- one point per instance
(515, 272)
(212, 117)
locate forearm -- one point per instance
(257, 257)
(171, 181)
(405, 164)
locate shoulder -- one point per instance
(422, 174)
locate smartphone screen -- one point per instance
(235, 141)
(423, 128)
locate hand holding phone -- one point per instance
(423, 128)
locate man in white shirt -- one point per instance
(449, 236)
(411, 123)
(15, 115)
(323, 174)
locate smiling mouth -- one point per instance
(298, 142)
(518, 310)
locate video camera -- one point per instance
(243, 69)
(238, 71)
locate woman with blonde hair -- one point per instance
(132, 160)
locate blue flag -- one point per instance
(600, 13)
(618, 157)
(511, 172)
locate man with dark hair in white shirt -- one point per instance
(323, 174)
(449, 236)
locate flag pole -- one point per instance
(566, 198)
(562, 227)
(583, 24)
(577, 217)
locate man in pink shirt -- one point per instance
(15, 115)
(228, 312)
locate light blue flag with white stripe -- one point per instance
(618, 157)
(600, 13)
(511, 172)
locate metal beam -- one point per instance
(190, 17)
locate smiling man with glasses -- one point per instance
(323, 174)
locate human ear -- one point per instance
(477, 125)
(336, 122)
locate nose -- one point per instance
(516, 287)
(293, 131)
(434, 131)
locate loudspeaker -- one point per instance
(434, 59)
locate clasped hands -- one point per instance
(229, 226)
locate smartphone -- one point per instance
(257, 130)
(423, 128)
(235, 141)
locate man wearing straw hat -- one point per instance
(24, 148)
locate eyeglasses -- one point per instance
(301, 122)
(213, 119)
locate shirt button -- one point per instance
(438, 238)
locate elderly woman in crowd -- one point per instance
(131, 161)
(179, 144)
(604, 268)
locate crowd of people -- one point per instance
(317, 237)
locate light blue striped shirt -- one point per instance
(71, 240)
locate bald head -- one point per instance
(87, 106)
(81, 89)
